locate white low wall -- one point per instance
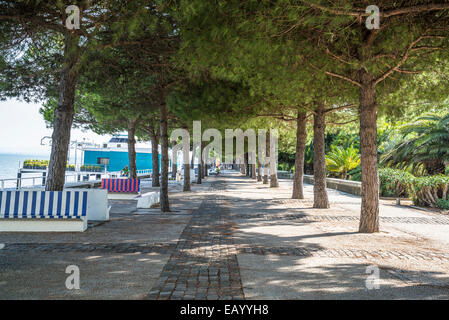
(43, 225)
(348, 186)
(146, 200)
(97, 205)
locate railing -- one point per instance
(70, 177)
(144, 172)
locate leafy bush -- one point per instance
(443, 204)
(35, 164)
(91, 168)
(430, 191)
(426, 191)
(394, 182)
(42, 165)
(339, 160)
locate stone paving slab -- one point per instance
(42, 275)
(274, 277)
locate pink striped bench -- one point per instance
(121, 185)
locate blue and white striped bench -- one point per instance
(47, 211)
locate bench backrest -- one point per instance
(43, 204)
(121, 185)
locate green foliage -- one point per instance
(42, 165)
(443, 204)
(426, 146)
(394, 182)
(35, 164)
(431, 191)
(91, 168)
(339, 160)
(425, 191)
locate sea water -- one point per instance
(10, 163)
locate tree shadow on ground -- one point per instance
(287, 278)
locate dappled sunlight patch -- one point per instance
(93, 257)
(119, 272)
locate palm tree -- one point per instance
(426, 146)
(340, 160)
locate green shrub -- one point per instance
(35, 164)
(340, 160)
(91, 168)
(428, 191)
(443, 204)
(394, 183)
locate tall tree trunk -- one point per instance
(301, 136)
(246, 159)
(273, 170)
(267, 153)
(132, 149)
(259, 170)
(186, 186)
(165, 207)
(199, 178)
(253, 165)
(203, 165)
(369, 215)
(174, 170)
(243, 166)
(186, 166)
(320, 199)
(155, 135)
(63, 115)
(265, 174)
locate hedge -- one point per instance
(394, 182)
(42, 165)
(91, 168)
(430, 191)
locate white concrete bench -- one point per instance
(51, 211)
(148, 199)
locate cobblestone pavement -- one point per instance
(309, 218)
(204, 264)
(215, 247)
(271, 238)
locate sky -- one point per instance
(22, 127)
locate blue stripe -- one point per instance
(59, 205)
(1, 198)
(84, 212)
(42, 204)
(33, 204)
(67, 204)
(75, 205)
(50, 204)
(8, 203)
(25, 204)
(16, 205)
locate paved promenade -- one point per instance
(234, 238)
